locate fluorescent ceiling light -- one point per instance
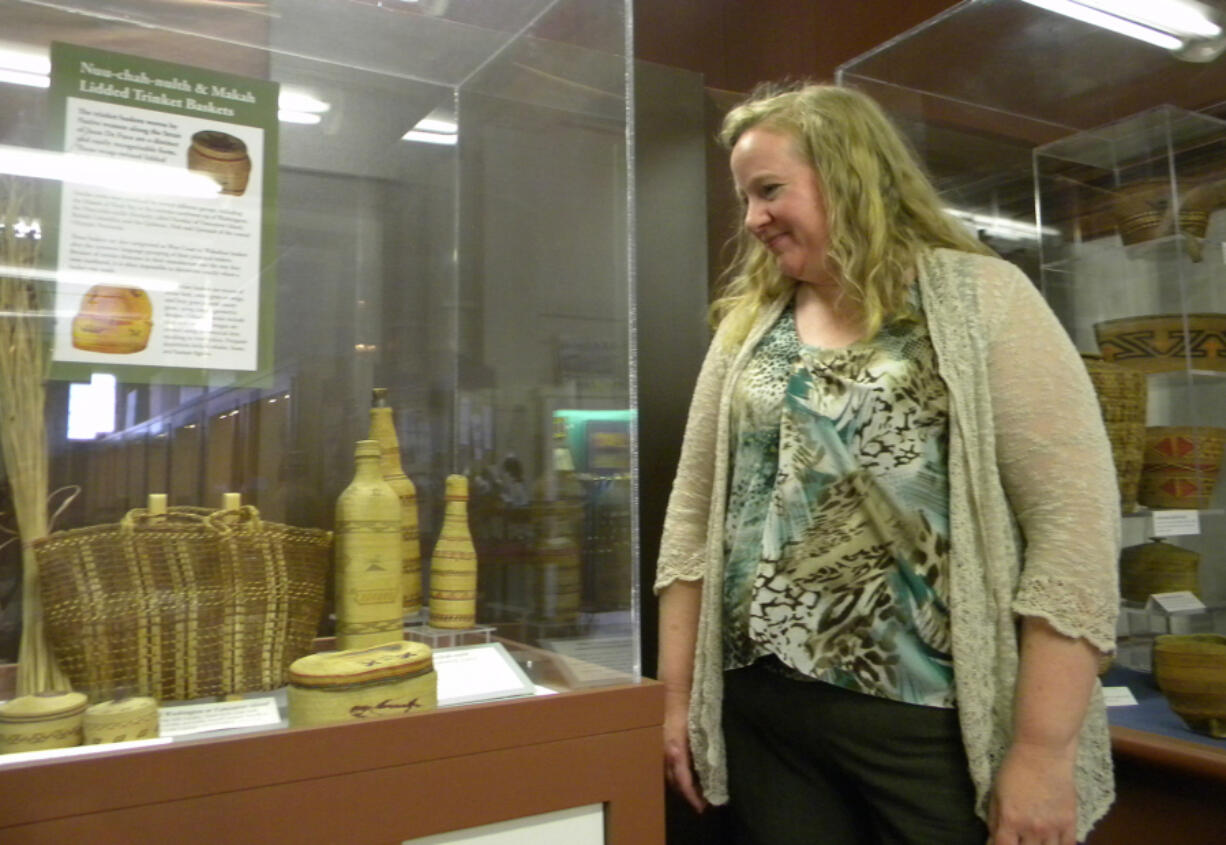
(1171, 16)
(295, 99)
(434, 128)
(24, 66)
(26, 59)
(1166, 25)
(434, 124)
(83, 280)
(20, 77)
(115, 174)
(1001, 227)
(304, 117)
(430, 138)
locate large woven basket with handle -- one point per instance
(182, 605)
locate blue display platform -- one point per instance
(1151, 712)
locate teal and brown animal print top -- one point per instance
(837, 528)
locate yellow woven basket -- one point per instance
(121, 721)
(362, 684)
(1157, 567)
(1190, 669)
(41, 721)
(1181, 465)
(1158, 343)
(183, 605)
(1122, 396)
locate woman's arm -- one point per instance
(1056, 468)
(680, 603)
(680, 570)
(1034, 799)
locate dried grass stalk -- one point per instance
(25, 356)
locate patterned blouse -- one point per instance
(837, 531)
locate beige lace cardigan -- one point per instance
(1034, 511)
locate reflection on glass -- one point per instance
(449, 222)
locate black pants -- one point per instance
(810, 763)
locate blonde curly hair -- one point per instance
(882, 211)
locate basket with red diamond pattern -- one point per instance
(1181, 465)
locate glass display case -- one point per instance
(1131, 257)
(225, 225)
(1095, 162)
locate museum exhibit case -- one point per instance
(284, 283)
(1095, 162)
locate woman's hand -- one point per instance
(680, 603)
(678, 768)
(1034, 801)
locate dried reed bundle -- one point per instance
(25, 354)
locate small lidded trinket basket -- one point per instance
(393, 679)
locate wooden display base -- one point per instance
(386, 781)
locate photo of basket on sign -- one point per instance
(223, 157)
(113, 319)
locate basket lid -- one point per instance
(1158, 550)
(361, 665)
(43, 706)
(1205, 644)
(121, 708)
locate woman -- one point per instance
(888, 564)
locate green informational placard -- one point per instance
(163, 228)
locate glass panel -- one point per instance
(1077, 153)
(449, 222)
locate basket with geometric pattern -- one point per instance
(1181, 465)
(1122, 397)
(182, 605)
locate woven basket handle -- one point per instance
(221, 521)
(246, 517)
(142, 518)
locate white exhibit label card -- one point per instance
(1118, 697)
(1175, 523)
(485, 672)
(217, 716)
(1183, 601)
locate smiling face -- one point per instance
(783, 203)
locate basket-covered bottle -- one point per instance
(368, 560)
(453, 566)
(383, 430)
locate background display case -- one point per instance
(1092, 160)
(1132, 263)
(1058, 142)
(447, 215)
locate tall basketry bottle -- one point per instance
(368, 569)
(558, 573)
(453, 568)
(383, 429)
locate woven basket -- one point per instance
(121, 721)
(1157, 567)
(184, 605)
(1160, 343)
(41, 721)
(358, 685)
(1181, 465)
(1190, 669)
(1141, 210)
(1122, 398)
